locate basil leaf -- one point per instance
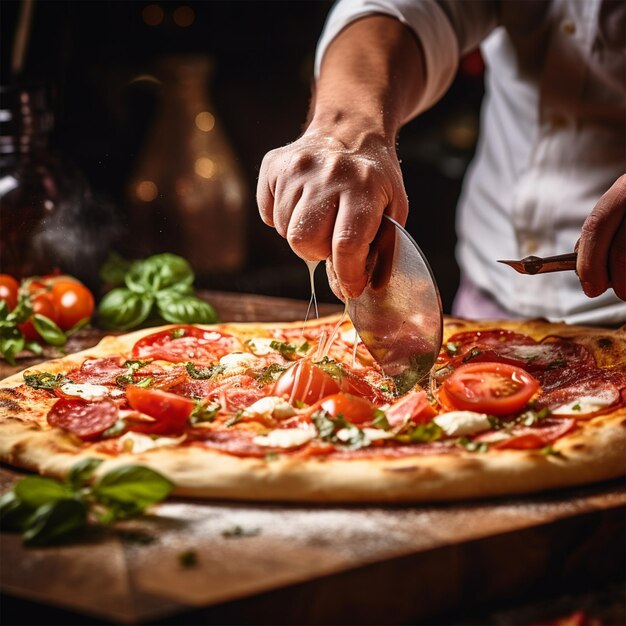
(132, 484)
(179, 309)
(82, 471)
(200, 373)
(45, 380)
(54, 521)
(13, 512)
(23, 310)
(161, 271)
(80, 324)
(4, 310)
(270, 374)
(35, 491)
(34, 347)
(114, 269)
(11, 342)
(123, 309)
(204, 412)
(48, 330)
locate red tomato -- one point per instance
(8, 290)
(352, 408)
(185, 343)
(305, 382)
(43, 304)
(170, 411)
(73, 300)
(494, 388)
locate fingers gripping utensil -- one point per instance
(538, 265)
(398, 316)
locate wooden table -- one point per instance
(261, 563)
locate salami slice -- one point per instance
(186, 343)
(99, 371)
(87, 420)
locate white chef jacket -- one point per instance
(553, 133)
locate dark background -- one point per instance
(263, 53)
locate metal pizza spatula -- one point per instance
(398, 316)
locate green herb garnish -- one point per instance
(46, 510)
(200, 373)
(239, 531)
(204, 412)
(45, 380)
(157, 288)
(177, 333)
(339, 431)
(473, 446)
(235, 419)
(270, 373)
(422, 433)
(380, 420)
(472, 354)
(550, 451)
(452, 348)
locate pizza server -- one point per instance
(399, 316)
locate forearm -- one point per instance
(371, 76)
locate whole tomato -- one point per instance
(8, 290)
(44, 304)
(74, 302)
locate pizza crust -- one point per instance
(594, 452)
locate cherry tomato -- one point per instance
(352, 408)
(170, 411)
(43, 304)
(305, 382)
(73, 300)
(8, 290)
(494, 388)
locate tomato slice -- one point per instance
(306, 382)
(494, 388)
(185, 343)
(171, 412)
(352, 408)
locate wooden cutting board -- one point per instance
(260, 563)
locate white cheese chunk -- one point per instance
(462, 423)
(587, 404)
(270, 406)
(138, 442)
(238, 362)
(287, 437)
(377, 433)
(261, 346)
(86, 391)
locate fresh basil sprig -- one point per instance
(339, 431)
(159, 287)
(46, 510)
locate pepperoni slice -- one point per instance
(99, 371)
(87, 420)
(186, 343)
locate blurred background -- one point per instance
(140, 127)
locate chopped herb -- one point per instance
(422, 433)
(270, 373)
(304, 347)
(473, 446)
(380, 420)
(204, 412)
(472, 354)
(576, 407)
(339, 431)
(282, 347)
(239, 531)
(332, 368)
(452, 348)
(135, 365)
(177, 333)
(129, 378)
(384, 387)
(44, 380)
(116, 430)
(188, 558)
(532, 417)
(550, 451)
(145, 382)
(200, 373)
(237, 418)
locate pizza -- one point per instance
(301, 412)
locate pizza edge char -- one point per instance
(594, 452)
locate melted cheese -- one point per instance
(587, 404)
(270, 406)
(87, 391)
(462, 423)
(237, 362)
(287, 437)
(138, 443)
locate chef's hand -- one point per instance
(602, 244)
(326, 194)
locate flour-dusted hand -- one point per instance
(327, 196)
(602, 244)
